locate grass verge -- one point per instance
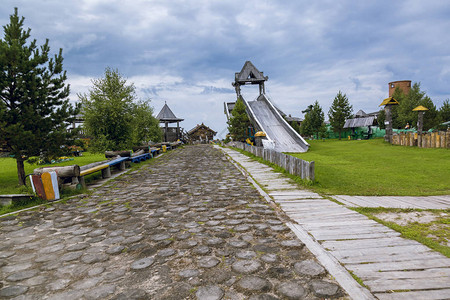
(8, 171)
(374, 167)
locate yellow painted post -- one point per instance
(48, 186)
(164, 148)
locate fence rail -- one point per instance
(293, 165)
(439, 139)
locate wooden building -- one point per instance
(166, 117)
(201, 133)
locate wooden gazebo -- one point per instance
(166, 116)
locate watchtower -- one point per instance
(166, 116)
(404, 85)
(249, 75)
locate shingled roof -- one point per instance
(166, 115)
(250, 74)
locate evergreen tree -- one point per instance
(444, 111)
(34, 106)
(431, 116)
(305, 127)
(408, 102)
(339, 112)
(239, 122)
(295, 126)
(314, 121)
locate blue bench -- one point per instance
(154, 151)
(118, 161)
(139, 158)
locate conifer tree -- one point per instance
(339, 112)
(444, 111)
(314, 121)
(34, 105)
(239, 122)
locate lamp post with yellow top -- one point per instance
(388, 103)
(421, 109)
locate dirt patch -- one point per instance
(433, 225)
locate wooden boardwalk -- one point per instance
(429, 202)
(390, 266)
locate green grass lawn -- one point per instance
(8, 171)
(373, 167)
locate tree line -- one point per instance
(403, 115)
(35, 111)
(341, 110)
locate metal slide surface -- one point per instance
(276, 128)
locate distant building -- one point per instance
(201, 133)
(404, 85)
(166, 117)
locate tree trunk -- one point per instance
(339, 135)
(20, 170)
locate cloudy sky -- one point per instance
(186, 52)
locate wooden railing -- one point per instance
(293, 165)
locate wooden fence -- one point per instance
(293, 165)
(439, 139)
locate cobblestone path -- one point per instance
(186, 226)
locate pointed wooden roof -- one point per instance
(390, 101)
(250, 74)
(166, 115)
(420, 108)
(190, 132)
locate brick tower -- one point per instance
(404, 85)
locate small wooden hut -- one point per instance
(201, 134)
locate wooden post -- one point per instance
(106, 173)
(388, 122)
(311, 170)
(165, 131)
(82, 181)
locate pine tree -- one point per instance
(314, 121)
(444, 111)
(239, 122)
(339, 112)
(408, 102)
(34, 105)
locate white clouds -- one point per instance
(187, 52)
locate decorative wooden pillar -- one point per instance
(388, 103)
(421, 109)
(388, 123)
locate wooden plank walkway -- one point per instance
(431, 202)
(390, 266)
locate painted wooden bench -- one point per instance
(105, 168)
(139, 158)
